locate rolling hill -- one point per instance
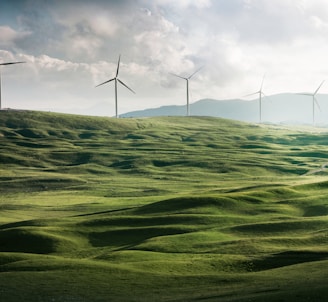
(165, 208)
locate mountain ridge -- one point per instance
(279, 108)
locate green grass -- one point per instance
(166, 209)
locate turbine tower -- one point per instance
(5, 64)
(116, 79)
(314, 100)
(260, 93)
(187, 81)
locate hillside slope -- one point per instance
(46, 148)
(172, 209)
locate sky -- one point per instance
(70, 46)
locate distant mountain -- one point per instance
(280, 108)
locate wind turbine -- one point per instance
(116, 79)
(187, 81)
(314, 100)
(260, 93)
(5, 64)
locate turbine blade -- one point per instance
(11, 63)
(262, 82)
(118, 66)
(125, 85)
(251, 94)
(106, 82)
(318, 88)
(316, 102)
(195, 72)
(308, 94)
(178, 76)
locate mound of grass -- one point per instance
(188, 205)
(170, 208)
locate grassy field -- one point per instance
(161, 209)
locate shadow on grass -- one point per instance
(287, 258)
(26, 241)
(130, 237)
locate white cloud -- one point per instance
(6, 55)
(182, 4)
(9, 36)
(318, 23)
(54, 64)
(87, 20)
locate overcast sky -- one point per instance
(70, 46)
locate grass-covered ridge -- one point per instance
(166, 209)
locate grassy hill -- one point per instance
(166, 209)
